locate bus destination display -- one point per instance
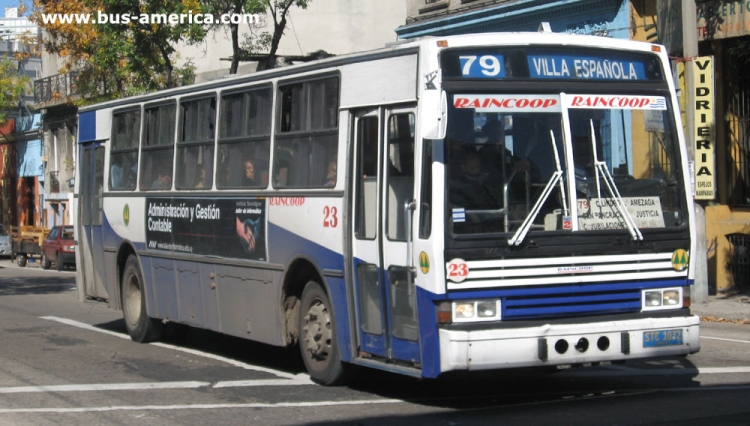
(542, 64)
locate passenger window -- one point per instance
(307, 134)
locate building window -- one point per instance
(433, 5)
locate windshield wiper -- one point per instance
(600, 167)
(556, 177)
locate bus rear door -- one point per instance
(90, 244)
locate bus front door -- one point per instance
(90, 243)
(383, 189)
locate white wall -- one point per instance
(335, 26)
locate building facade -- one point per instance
(609, 18)
(21, 150)
(723, 33)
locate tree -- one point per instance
(236, 7)
(130, 50)
(12, 86)
(278, 9)
(255, 43)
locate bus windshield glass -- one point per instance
(509, 160)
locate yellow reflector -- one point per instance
(656, 48)
(442, 43)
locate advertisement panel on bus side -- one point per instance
(209, 226)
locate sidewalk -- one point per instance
(734, 307)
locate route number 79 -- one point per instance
(482, 66)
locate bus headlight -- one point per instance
(476, 310)
(667, 298)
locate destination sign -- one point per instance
(550, 63)
(585, 68)
(598, 214)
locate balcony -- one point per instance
(55, 90)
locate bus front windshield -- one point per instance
(510, 160)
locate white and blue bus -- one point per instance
(470, 202)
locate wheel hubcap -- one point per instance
(317, 329)
(132, 300)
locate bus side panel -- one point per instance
(244, 308)
(337, 289)
(209, 296)
(164, 289)
(191, 296)
(379, 82)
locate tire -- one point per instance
(21, 260)
(59, 263)
(140, 326)
(317, 340)
(46, 263)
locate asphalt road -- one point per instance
(63, 362)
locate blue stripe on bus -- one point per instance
(428, 334)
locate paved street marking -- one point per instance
(725, 340)
(198, 406)
(177, 348)
(104, 387)
(631, 371)
(299, 380)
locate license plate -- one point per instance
(658, 338)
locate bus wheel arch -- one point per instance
(298, 274)
(310, 321)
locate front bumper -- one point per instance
(67, 257)
(538, 346)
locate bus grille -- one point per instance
(562, 301)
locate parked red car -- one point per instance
(59, 247)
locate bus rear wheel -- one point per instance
(317, 340)
(140, 326)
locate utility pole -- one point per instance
(699, 292)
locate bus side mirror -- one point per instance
(438, 132)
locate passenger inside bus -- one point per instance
(249, 177)
(476, 187)
(163, 181)
(331, 174)
(201, 178)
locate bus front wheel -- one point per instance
(140, 327)
(317, 339)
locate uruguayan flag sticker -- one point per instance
(459, 215)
